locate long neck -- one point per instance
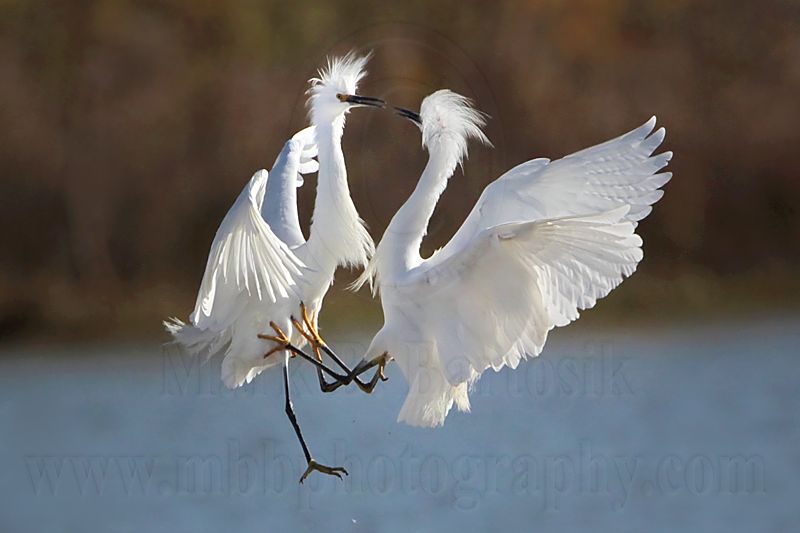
(400, 246)
(337, 235)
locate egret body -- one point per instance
(544, 241)
(262, 273)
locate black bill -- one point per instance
(355, 99)
(410, 115)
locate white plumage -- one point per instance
(544, 241)
(260, 266)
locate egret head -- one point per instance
(448, 121)
(333, 91)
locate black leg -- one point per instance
(290, 410)
(324, 386)
(353, 374)
(286, 345)
(309, 330)
(282, 343)
(315, 341)
(320, 366)
(363, 366)
(312, 464)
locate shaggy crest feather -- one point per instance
(449, 122)
(339, 75)
(335, 222)
(449, 118)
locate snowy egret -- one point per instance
(544, 240)
(262, 273)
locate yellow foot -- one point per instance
(330, 470)
(279, 338)
(381, 361)
(307, 329)
(384, 360)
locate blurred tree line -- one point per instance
(128, 128)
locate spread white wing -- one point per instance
(495, 302)
(621, 171)
(247, 261)
(544, 241)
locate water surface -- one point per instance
(686, 427)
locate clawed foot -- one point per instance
(312, 335)
(280, 338)
(381, 361)
(307, 329)
(384, 360)
(330, 470)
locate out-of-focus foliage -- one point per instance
(128, 128)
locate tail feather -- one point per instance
(430, 398)
(196, 341)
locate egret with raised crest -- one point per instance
(264, 283)
(544, 241)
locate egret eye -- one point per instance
(342, 97)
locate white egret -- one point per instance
(544, 240)
(261, 272)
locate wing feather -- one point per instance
(280, 205)
(618, 172)
(494, 303)
(247, 260)
(554, 267)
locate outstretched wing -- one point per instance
(247, 260)
(621, 171)
(280, 204)
(494, 302)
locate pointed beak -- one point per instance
(408, 114)
(357, 100)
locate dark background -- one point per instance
(128, 128)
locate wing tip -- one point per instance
(173, 325)
(640, 133)
(648, 126)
